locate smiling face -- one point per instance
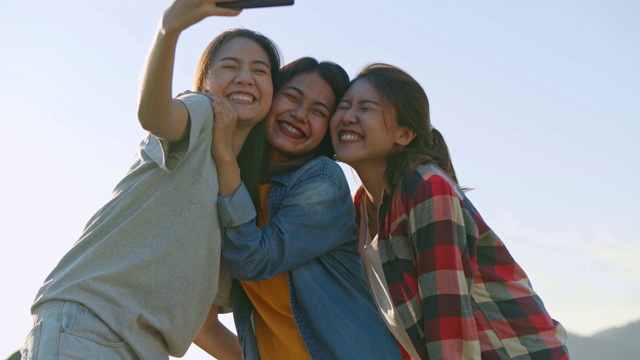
(241, 73)
(364, 130)
(299, 117)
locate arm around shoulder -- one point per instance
(314, 215)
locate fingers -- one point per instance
(212, 9)
(224, 126)
(222, 110)
(184, 93)
(184, 13)
(207, 93)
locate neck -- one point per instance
(239, 137)
(274, 157)
(372, 178)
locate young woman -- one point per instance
(143, 276)
(443, 281)
(301, 292)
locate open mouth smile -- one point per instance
(349, 136)
(290, 129)
(239, 97)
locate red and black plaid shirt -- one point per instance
(457, 289)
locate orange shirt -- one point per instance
(276, 330)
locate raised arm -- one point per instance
(158, 112)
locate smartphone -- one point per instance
(250, 4)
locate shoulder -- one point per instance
(329, 170)
(194, 99)
(320, 170)
(428, 180)
(321, 167)
(198, 106)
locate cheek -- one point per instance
(333, 124)
(216, 81)
(336, 118)
(275, 108)
(320, 129)
(269, 122)
(266, 89)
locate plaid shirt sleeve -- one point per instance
(509, 313)
(446, 276)
(444, 266)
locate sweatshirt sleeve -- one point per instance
(169, 155)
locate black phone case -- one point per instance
(251, 4)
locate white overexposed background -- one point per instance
(539, 102)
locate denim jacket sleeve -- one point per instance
(312, 214)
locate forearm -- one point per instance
(228, 173)
(156, 106)
(308, 224)
(219, 342)
(216, 339)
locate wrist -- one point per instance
(168, 31)
(224, 157)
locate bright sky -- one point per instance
(538, 101)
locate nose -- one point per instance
(300, 113)
(245, 77)
(347, 116)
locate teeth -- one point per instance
(290, 129)
(350, 136)
(241, 97)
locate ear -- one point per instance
(404, 135)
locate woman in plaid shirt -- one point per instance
(443, 281)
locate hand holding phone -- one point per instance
(251, 4)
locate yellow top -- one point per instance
(276, 330)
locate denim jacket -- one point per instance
(311, 236)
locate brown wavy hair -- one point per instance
(411, 106)
(337, 79)
(252, 151)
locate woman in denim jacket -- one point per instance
(300, 290)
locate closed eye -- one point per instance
(320, 112)
(291, 96)
(261, 70)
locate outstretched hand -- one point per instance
(184, 13)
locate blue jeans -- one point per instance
(68, 330)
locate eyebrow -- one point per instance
(299, 91)
(367, 102)
(232, 58)
(362, 102)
